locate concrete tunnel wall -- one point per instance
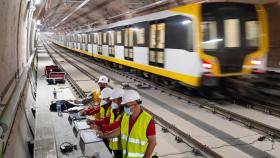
(14, 54)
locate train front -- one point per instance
(234, 40)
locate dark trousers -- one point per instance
(118, 153)
(106, 141)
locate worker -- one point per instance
(137, 128)
(113, 121)
(104, 108)
(94, 96)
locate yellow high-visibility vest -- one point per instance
(135, 143)
(102, 113)
(96, 96)
(115, 142)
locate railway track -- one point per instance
(196, 145)
(211, 105)
(203, 103)
(254, 100)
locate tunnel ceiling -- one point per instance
(70, 15)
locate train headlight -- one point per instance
(207, 65)
(256, 62)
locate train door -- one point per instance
(105, 46)
(157, 44)
(95, 43)
(73, 41)
(128, 43)
(76, 41)
(112, 43)
(81, 41)
(119, 43)
(90, 43)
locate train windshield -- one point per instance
(229, 25)
(230, 32)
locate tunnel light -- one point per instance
(135, 29)
(38, 22)
(186, 22)
(213, 41)
(256, 62)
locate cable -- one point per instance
(262, 138)
(175, 153)
(66, 148)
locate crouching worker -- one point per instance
(137, 129)
(113, 121)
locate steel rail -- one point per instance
(202, 147)
(214, 107)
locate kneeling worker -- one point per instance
(137, 128)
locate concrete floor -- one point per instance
(214, 131)
(52, 130)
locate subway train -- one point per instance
(195, 44)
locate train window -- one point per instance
(104, 37)
(160, 57)
(157, 35)
(128, 34)
(126, 54)
(99, 43)
(130, 37)
(99, 38)
(111, 51)
(157, 44)
(96, 38)
(152, 56)
(119, 37)
(210, 38)
(112, 43)
(111, 38)
(153, 36)
(130, 55)
(232, 33)
(92, 38)
(88, 38)
(140, 35)
(126, 37)
(252, 33)
(161, 35)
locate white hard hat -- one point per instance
(129, 96)
(103, 79)
(117, 93)
(105, 93)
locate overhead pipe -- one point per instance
(74, 11)
(161, 2)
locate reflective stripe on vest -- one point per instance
(130, 154)
(115, 142)
(135, 143)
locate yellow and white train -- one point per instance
(196, 44)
